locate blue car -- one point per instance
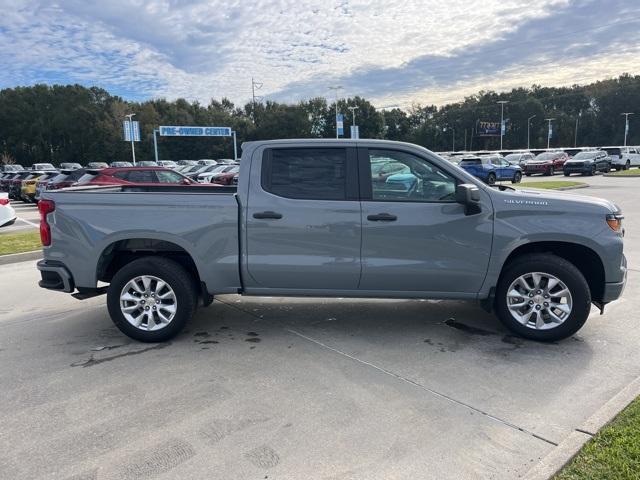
(491, 169)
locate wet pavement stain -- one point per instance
(253, 334)
(201, 334)
(96, 361)
(467, 328)
(252, 340)
(208, 341)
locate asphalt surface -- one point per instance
(28, 218)
(277, 388)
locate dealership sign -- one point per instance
(178, 131)
(489, 129)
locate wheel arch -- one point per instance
(582, 257)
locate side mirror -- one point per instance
(469, 196)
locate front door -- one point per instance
(415, 237)
(303, 228)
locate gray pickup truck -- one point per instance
(340, 218)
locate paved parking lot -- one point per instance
(302, 388)
(28, 217)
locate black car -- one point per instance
(588, 163)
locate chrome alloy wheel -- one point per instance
(539, 300)
(148, 303)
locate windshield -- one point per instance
(513, 157)
(585, 155)
(546, 156)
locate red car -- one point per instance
(227, 178)
(133, 176)
(547, 163)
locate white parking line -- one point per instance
(29, 223)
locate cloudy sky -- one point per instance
(393, 52)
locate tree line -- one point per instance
(72, 123)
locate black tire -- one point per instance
(566, 174)
(491, 179)
(517, 177)
(563, 270)
(170, 272)
(627, 165)
(593, 171)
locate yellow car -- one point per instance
(28, 187)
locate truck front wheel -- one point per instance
(151, 299)
(542, 297)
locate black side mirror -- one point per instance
(468, 195)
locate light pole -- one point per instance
(549, 130)
(528, 128)
(502, 102)
(626, 125)
(133, 149)
(155, 143)
(353, 121)
(335, 89)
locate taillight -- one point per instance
(4, 201)
(45, 207)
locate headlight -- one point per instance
(614, 220)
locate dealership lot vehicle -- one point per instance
(147, 163)
(42, 166)
(132, 176)
(70, 166)
(12, 167)
(14, 184)
(213, 172)
(491, 168)
(96, 165)
(120, 164)
(317, 221)
(7, 213)
(588, 163)
(519, 159)
(167, 164)
(546, 163)
(29, 185)
(623, 158)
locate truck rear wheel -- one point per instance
(151, 299)
(543, 297)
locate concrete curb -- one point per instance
(586, 185)
(20, 257)
(550, 465)
(622, 176)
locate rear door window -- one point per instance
(306, 173)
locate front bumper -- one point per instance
(55, 276)
(613, 290)
(584, 168)
(536, 168)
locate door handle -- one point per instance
(382, 217)
(268, 215)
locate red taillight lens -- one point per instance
(4, 201)
(45, 207)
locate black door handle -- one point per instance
(268, 214)
(382, 217)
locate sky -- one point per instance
(394, 53)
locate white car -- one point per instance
(622, 158)
(7, 213)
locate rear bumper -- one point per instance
(55, 276)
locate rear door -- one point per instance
(419, 239)
(303, 227)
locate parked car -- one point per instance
(5, 178)
(519, 158)
(28, 188)
(146, 163)
(491, 168)
(120, 164)
(186, 162)
(168, 164)
(226, 161)
(213, 171)
(206, 161)
(546, 163)
(70, 166)
(623, 158)
(65, 178)
(12, 167)
(230, 177)
(14, 185)
(7, 213)
(133, 176)
(42, 166)
(308, 219)
(94, 165)
(588, 163)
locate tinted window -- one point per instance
(585, 155)
(306, 173)
(169, 177)
(612, 151)
(418, 181)
(470, 161)
(142, 176)
(87, 177)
